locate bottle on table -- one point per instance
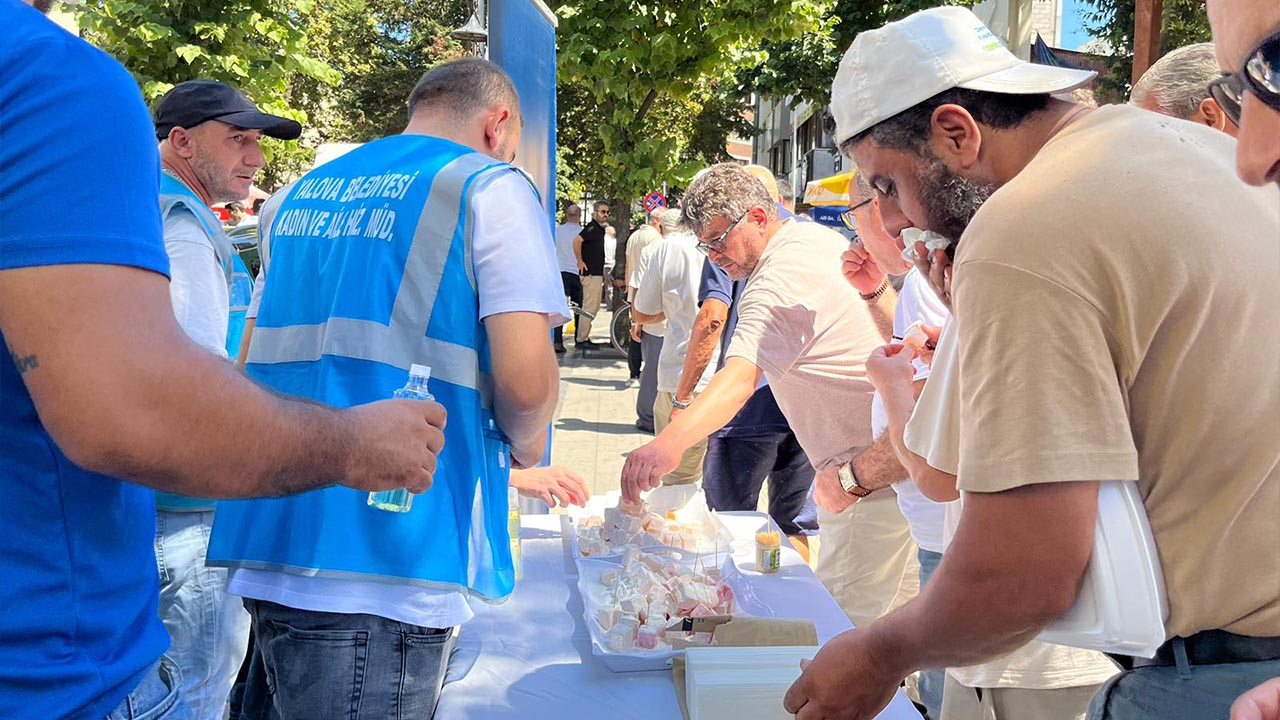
(416, 389)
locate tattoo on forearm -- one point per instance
(24, 362)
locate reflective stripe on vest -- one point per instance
(317, 336)
(175, 194)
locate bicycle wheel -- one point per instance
(620, 328)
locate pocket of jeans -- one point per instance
(315, 673)
(426, 657)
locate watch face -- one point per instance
(847, 481)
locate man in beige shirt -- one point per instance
(1111, 291)
(803, 326)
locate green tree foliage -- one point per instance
(647, 89)
(803, 67)
(1184, 23)
(257, 46)
(381, 48)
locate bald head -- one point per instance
(765, 176)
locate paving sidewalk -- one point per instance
(595, 423)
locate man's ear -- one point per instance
(496, 125)
(954, 136)
(1213, 115)
(182, 142)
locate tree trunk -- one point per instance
(622, 227)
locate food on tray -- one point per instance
(648, 591)
(635, 524)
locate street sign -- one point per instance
(653, 201)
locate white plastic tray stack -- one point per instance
(731, 683)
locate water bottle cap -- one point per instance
(422, 371)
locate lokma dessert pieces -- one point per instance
(635, 524)
(648, 591)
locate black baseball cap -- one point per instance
(190, 103)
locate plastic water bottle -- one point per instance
(416, 389)
(513, 529)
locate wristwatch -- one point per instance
(680, 405)
(849, 481)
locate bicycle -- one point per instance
(619, 327)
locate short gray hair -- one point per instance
(465, 88)
(656, 214)
(725, 190)
(1179, 82)
(670, 220)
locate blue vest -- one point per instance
(371, 272)
(175, 194)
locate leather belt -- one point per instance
(1208, 647)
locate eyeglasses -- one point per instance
(718, 243)
(847, 218)
(1260, 76)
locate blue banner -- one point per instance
(522, 41)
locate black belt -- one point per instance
(1209, 647)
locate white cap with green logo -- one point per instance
(904, 63)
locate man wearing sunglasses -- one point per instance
(1247, 36)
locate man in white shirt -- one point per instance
(646, 340)
(205, 160)
(669, 292)
(568, 263)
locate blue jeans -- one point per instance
(931, 681)
(156, 697)
(208, 629)
(736, 467)
(1194, 692)
(309, 665)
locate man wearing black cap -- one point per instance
(209, 153)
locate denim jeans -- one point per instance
(1192, 692)
(208, 629)
(156, 698)
(931, 681)
(308, 665)
(736, 467)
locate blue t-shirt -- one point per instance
(79, 182)
(761, 414)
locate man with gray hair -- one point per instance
(668, 292)
(1178, 86)
(426, 248)
(806, 329)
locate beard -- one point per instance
(952, 200)
(220, 187)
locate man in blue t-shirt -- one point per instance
(99, 384)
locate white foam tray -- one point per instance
(595, 595)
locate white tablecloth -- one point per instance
(531, 658)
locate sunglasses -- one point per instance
(718, 244)
(1260, 76)
(847, 219)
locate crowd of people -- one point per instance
(1088, 276)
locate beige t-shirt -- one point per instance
(1117, 304)
(934, 434)
(807, 328)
